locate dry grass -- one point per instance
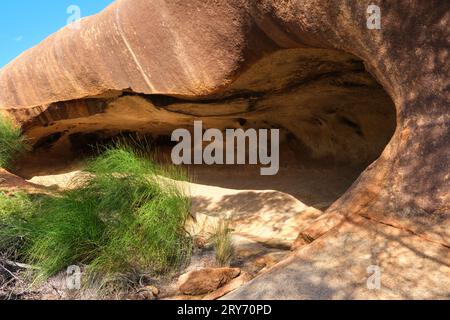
(223, 244)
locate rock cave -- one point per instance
(363, 118)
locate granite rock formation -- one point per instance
(339, 91)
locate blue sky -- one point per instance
(25, 23)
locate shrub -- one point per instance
(122, 219)
(11, 142)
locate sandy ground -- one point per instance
(268, 209)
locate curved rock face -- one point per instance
(305, 66)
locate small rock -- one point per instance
(155, 290)
(231, 286)
(206, 280)
(148, 293)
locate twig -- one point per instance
(19, 265)
(12, 274)
(5, 285)
(56, 290)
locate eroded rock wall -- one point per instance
(322, 100)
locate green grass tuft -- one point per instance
(123, 219)
(15, 210)
(11, 142)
